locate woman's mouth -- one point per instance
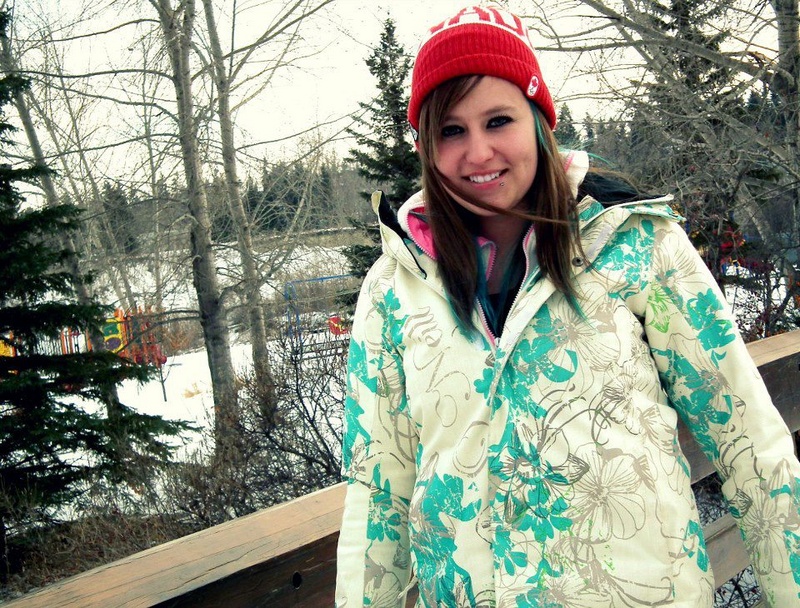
(485, 178)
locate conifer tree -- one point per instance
(57, 430)
(591, 133)
(678, 118)
(566, 134)
(385, 155)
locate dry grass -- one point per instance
(47, 555)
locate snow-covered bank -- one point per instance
(186, 392)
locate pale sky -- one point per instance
(320, 88)
(334, 82)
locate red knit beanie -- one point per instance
(478, 40)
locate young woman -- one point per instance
(519, 359)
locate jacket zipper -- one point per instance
(525, 242)
(481, 312)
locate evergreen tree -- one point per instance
(681, 110)
(284, 185)
(385, 154)
(54, 439)
(675, 139)
(566, 134)
(590, 129)
(609, 142)
(665, 141)
(121, 218)
(322, 195)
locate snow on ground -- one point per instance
(187, 385)
(187, 380)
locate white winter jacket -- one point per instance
(543, 468)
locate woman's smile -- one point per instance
(485, 179)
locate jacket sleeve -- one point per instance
(714, 385)
(373, 563)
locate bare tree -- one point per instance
(177, 27)
(171, 86)
(608, 28)
(289, 20)
(79, 175)
(627, 48)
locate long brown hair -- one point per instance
(551, 208)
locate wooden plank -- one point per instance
(725, 549)
(782, 377)
(699, 465)
(305, 578)
(773, 348)
(204, 559)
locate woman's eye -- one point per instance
(451, 131)
(498, 121)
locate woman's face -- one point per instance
(487, 146)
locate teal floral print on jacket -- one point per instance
(384, 519)
(712, 332)
(353, 411)
(624, 253)
(442, 501)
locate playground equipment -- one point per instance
(313, 330)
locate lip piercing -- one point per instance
(502, 183)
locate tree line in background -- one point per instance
(270, 199)
(707, 110)
(699, 100)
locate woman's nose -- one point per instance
(479, 149)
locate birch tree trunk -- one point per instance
(252, 283)
(177, 28)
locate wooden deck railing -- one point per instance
(286, 555)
